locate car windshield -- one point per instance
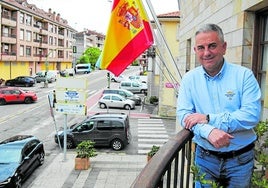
(10, 155)
(128, 94)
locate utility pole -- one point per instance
(46, 64)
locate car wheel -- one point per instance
(117, 144)
(18, 182)
(2, 102)
(127, 107)
(27, 100)
(27, 85)
(70, 143)
(143, 91)
(113, 80)
(102, 105)
(41, 158)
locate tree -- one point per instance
(84, 59)
(91, 56)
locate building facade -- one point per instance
(87, 39)
(167, 60)
(245, 26)
(32, 39)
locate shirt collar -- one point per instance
(219, 75)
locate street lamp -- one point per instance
(46, 65)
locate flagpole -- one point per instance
(150, 6)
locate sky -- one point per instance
(95, 14)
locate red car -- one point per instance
(16, 95)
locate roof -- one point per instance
(49, 15)
(105, 115)
(175, 14)
(18, 140)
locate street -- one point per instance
(36, 119)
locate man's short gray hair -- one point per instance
(211, 27)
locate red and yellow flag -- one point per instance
(129, 35)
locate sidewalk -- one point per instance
(107, 170)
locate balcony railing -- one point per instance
(170, 166)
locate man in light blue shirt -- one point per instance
(220, 103)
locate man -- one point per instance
(220, 103)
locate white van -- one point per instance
(83, 68)
(133, 86)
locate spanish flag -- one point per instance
(129, 34)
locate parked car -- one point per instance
(105, 129)
(115, 101)
(20, 155)
(118, 78)
(67, 72)
(125, 93)
(26, 81)
(16, 95)
(42, 76)
(133, 86)
(83, 68)
(142, 79)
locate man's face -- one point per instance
(210, 50)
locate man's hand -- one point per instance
(193, 119)
(219, 138)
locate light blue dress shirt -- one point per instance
(232, 99)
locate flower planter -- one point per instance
(82, 163)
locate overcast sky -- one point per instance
(80, 15)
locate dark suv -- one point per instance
(125, 93)
(105, 129)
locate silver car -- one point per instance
(116, 101)
(133, 86)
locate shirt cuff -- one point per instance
(205, 130)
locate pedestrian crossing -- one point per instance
(150, 132)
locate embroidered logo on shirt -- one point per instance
(230, 94)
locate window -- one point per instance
(117, 125)
(86, 126)
(50, 40)
(104, 125)
(107, 97)
(188, 55)
(21, 18)
(116, 98)
(5, 31)
(262, 51)
(28, 20)
(21, 34)
(28, 51)
(135, 84)
(21, 50)
(28, 36)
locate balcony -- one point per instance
(170, 166)
(8, 56)
(9, 38)
(9, 21)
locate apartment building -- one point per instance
(87, 39)
(32, 39)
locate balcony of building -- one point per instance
(170, 166)
(9, 18)
(8, 38)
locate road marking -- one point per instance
(150, 132)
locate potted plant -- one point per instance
(260, 174)
(153, 100)
(153, 151)
(84, 151)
